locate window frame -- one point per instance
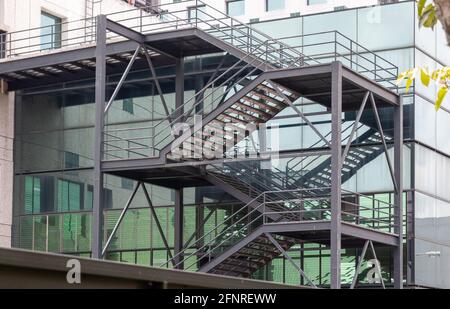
(3, 36)
(56, 32)
(309, 2)
(227, 8)
(273, 10)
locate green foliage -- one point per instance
(440, 76)
(427, 14)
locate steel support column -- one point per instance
(178, 227)
(179, 89)
(398, 196)
(100, 99)
(336, 163)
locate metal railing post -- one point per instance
(140, 20)
(351, 54)
(196, 13)
(264, 208)
(335, 46)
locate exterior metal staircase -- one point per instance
(250, 179)
(240, 245)
(247, 256)
(320, 175)
(238, 121)
(232, 104)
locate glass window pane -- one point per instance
(54, 233)
(143, 258)
(2, 44)
(236, 8)
(386, 26)
(275, 5)
(40, 233)
(26, 232)
(311, 2)
(425, 169)
(50, 31)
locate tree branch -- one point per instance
(443, 14)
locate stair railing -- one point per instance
(263, 213)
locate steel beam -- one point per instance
(370, 85)
(158, 224)
(178, 229)
(336, 177)
(361, 259)
(380, 128)
(157, 84)
(125, 31)
(355, 127)
(122, 79)
(378, 264)
(358, 267)
(286, 255)
(69, 56)
(299, 112)
(398, 196)
(360, 232)
(100, 98)
(179, 88)
(119, 220)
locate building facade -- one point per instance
(47, 133)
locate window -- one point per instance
(197, 12)
(70, 196)
(236, 8)
(311, 2)
(38, 195)
(71, 160)
(2, 44)
(50, 31)
(272, 5)
(127, 184)
(128, 106)
(32, 195)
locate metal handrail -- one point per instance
(230, 226)
(230, 232)
(314, 145)
(197, 102)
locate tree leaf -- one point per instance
(420, 6)
(428, 18)
(425, 77)
(401, 77)
(441, 95)
(411, 76)
(409, 83)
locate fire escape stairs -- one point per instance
(246, 256)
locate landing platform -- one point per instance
(353, 236)
(76, 63)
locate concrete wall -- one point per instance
(6, 167)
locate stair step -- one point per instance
(276, 101)
(247, 107)
(262, 105)
(247, 117)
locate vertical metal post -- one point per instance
(398, 196)
(178, 241)
(336, 158)
(179, 88)
(100, 99)
(200, 216)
